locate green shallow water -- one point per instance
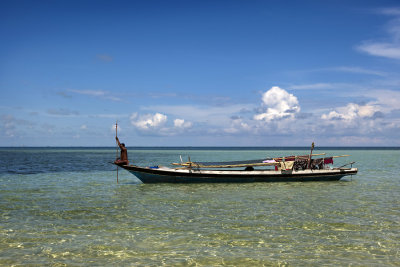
(74, 215)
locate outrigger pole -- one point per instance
(116, 135)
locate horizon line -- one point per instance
(316, 147)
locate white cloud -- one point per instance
(357, 120)
(389, 50)
(8, 123)
(148, 121)
(96, 93)
(238, 125)
(89, 92)
(314, 86)
(157, 124)
(108, 115)
(391, 47)
(387, 100)
(278, 116)
(367, 111)
(11, 126)
(214, 116)
(83, 127)
(359, 70)
(354, 140)
(390, 11)
(279, 104)
(351, 112)
(182, 124)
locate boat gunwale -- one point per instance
(239, 173)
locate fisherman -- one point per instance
(123, 159)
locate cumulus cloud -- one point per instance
(157, 123)
(148, 121)
(354, 119)
(238, 125)
(214, 116)
(279, 115)
(278, 104)
(182, 124)
(386, 100)
(351, 112)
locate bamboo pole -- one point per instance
(116, 135)
(303, 156)
(190, 164)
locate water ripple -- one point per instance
(79, 217)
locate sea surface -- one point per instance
(63, 207)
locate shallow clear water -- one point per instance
(62, 206)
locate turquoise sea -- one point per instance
(63, 207)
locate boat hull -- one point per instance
(169, 175)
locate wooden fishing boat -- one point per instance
(284, 169)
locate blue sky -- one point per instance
(200, 73)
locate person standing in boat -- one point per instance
(123, 160)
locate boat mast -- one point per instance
(309, 158)
(116, 135)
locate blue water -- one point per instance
(62, 206)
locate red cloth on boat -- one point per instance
(121, 162)
(328, 160)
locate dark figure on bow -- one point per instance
(123, 159)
